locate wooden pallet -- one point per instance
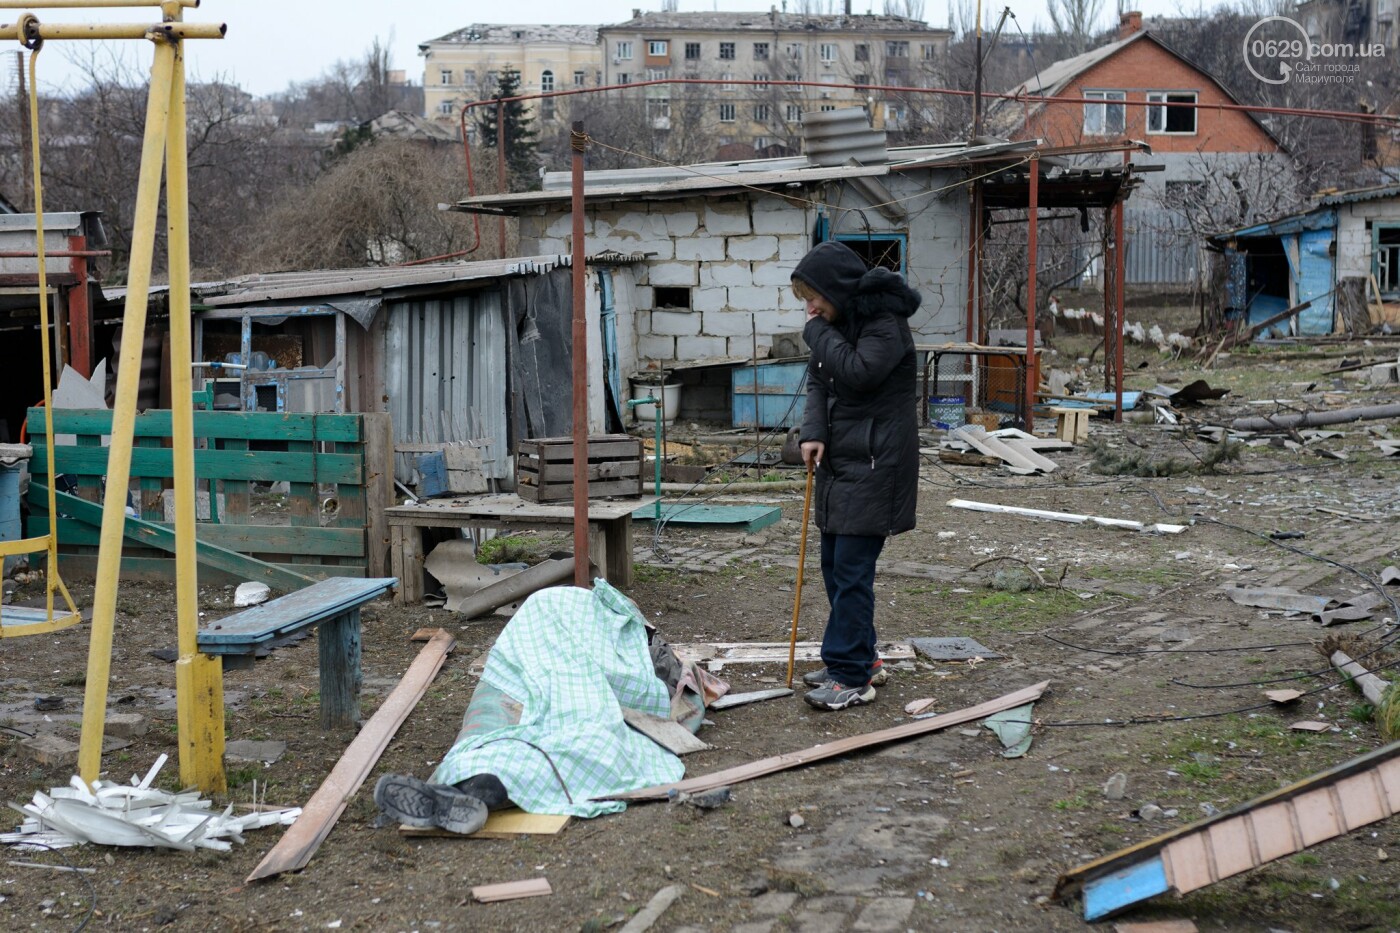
(545, 467)
(1327, 805)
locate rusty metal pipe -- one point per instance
(577, 143)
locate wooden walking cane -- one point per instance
(801, 563)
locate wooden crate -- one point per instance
(545, 467)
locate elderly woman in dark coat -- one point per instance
(860, 431)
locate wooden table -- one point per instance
(609, 531)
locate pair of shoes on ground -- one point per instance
(411, 802)
(833, 695)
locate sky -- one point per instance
(274, 43)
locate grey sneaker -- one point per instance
(819, 676)
(833, 696)
(413, 802)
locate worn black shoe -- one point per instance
(818, 677)
(834, 696)
(412, 802)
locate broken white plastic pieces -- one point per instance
(1158, 528)
(108, 813)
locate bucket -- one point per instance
(947, 411)
(670, 403)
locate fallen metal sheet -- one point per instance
(1018, 458)
(844, 746)
(716, 655)
(1033, 441)
(1278, 597)
(670, 735)
(953, 649)
(453, 564)
(1352, 609)
(1390, 575)
(1321, 807)
(752, 517)
(1013, 728)
(731, 700)
(1065, 516)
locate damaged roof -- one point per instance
(1373, 193)
(725, 177)
(768, 22)
(514, 33)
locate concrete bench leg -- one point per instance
(339, 644)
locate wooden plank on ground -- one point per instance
(162, 538)
(500, 824)
(840, 747)
(511, 890)
(318, 817)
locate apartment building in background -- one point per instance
(465, 65)
(855, 50)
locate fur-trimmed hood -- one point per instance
(881, 291)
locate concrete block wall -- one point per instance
(1354, 243)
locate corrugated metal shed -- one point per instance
(1359, 194)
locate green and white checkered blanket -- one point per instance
(573, 659)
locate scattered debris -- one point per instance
(509, 588)
(1013, 728)
(1064, 516)
(1390, 575)
(729, 701)
(1111, 461)
(1278, 597)
(1018, 455)
(1116, 787)
(318, 818)
(716, 655)
(1180, 925)
(48, 704)
(953, 649)
(667, 733)
(1282, 697)
(919, 707)
(796, 821)
(1351, 609)
(1309, 725)
(248, 750)
(1149, 813)
(1306, 419)
(135, 814)
(652, 912)
(511, 890)
(51, 750)
(126, 725)
(1342, 652)
(82, 871)
(1327, 805)
(844, 746)
(251, 593)
(707, 800)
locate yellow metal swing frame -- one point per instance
(199, 682)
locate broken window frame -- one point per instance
(1098, 118)
(1385, 259)
(1160, 119)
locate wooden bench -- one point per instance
(333, 604)
(1072, 424)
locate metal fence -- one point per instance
(1162, 250)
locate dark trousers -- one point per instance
(848, 570)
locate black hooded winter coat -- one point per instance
(861, 390)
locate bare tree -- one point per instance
(1075, 21)
(376, 205)
(909, 9)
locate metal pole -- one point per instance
(577, 143)
(501, 174)
(977, 79)
(1032, 378)
(1120, 260)
(199, 689)
(757, 424)
(109, 555)
(32, 29)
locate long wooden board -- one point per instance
(318, 817)
(511, 890)
(840, 747)
(163, 538)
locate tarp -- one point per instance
(573, 658)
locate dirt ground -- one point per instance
(938, 833)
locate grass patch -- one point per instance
(1077, 802)
(1003, 610)
(517, 549)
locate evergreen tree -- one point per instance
(522, 161)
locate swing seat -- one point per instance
(23, 620)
